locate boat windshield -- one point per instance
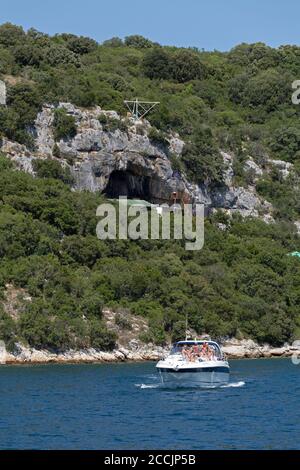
(201, 349)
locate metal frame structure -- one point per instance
(139, 109)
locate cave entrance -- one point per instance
(125, 183)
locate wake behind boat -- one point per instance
(194, 363)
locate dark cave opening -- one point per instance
(125, 183)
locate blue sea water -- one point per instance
(122, 406)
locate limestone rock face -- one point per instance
(283, 167)
(251, 166)
(247, 348)
(43, 132)
(116, 162)
(231, 198)
(233, 349)
(2, 93)
(124, 162)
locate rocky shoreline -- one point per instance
(234, 349)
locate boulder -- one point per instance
(251, 166)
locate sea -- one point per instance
(124, 406)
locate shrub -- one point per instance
(113, 42)
(179, 331)
(56, 55)
(202, 158)
(56, 151)
(64, 125)
(10, 35)
(122, 322)
(156, 64)
(50, 168)
(156, 334)
(157, 137)
(7, 330)
(24, 102)
(185, 66)
(41, 331)
(110, 124)
(101, 338)
(138, 42)
(286, 143)
(79, 44)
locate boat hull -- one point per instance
(195, 377)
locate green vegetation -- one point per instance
(110, 124)
(240, 100)
(158, 138)
(64, 125)
(241, 283)
(49, 168)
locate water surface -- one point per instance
(122, 406)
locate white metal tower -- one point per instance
(139, 109)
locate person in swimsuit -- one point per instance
(184, 352)
(196, 351)
(204, 350)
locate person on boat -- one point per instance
(187, 353)
(204, 350)
(184, 351)
(210, 353)
(196, 351)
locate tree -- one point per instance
(7, 61)
(270, 88)
(138, 41)
(237, 86)
(156, 64)
(8, 330)
(24, 102)
(186, 66)
(11, 35)
(202, 158)
(265, 91)
(57, 54)
(28, 54)
(257, 55)
(101, 338)
(113, 42)
(78, 44)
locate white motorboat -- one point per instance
(194, 363)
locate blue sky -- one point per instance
(210, 24)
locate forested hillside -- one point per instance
(243, 283)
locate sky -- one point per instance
(207, 24)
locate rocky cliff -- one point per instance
(233, 349)
(125, 161)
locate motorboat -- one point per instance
(194, 363)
